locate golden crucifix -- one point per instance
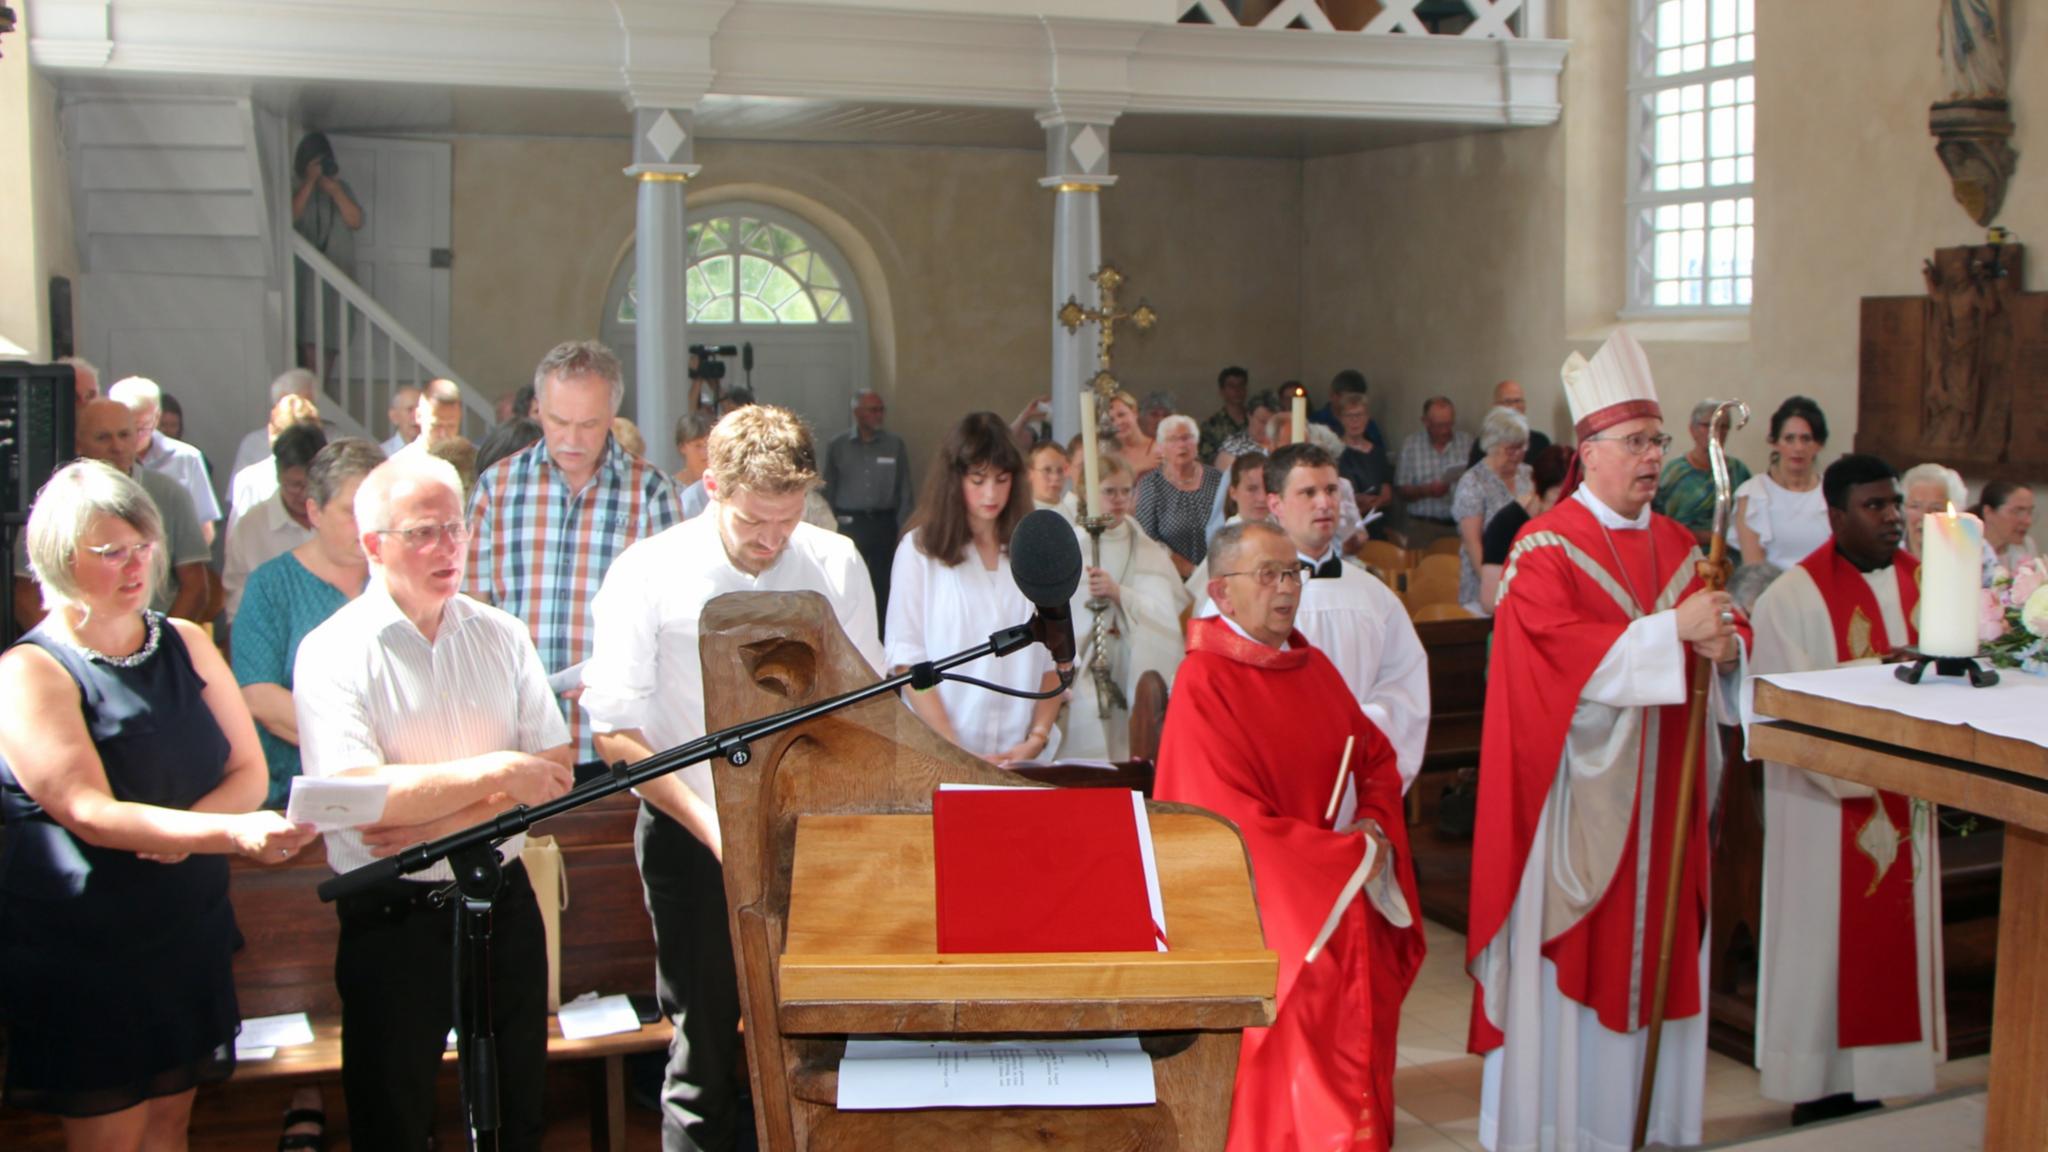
(1105, 316)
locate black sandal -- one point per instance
(308, 1141)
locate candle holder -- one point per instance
(1980, 676)
(1109, 695)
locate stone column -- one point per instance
(1077, 170)
(662, 148)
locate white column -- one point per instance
(1077, 171)
(661, 154)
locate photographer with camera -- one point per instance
(325, 212)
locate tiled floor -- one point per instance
(1436, 1087)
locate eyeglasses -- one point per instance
(421, 537)
(119, 554)
(1269, 574)
(1638, 443)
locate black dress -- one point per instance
(114, 971)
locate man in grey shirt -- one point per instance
(867, 482)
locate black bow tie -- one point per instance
(1331, 569)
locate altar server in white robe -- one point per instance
(1600, 625)
(1346, 611)
(950, 587)
(1139, 630)
(1849, 998)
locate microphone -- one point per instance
(1045, 560)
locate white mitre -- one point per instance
(1611, 388)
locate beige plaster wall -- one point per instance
(1443, 266)
(959, 241)
(34, 200)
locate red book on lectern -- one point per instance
(1040, 870)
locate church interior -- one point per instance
(1439, 194)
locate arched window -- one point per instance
(747, 268)
(763, 277)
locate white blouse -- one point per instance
(935, 611)
(1789, 524)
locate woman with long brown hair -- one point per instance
(950, 587)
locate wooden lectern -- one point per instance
(828, 879)
(1979, 772)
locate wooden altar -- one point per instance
(1964, 768)
(828, 881)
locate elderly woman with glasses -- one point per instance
(128, 771)
(1499, 480)
(1178, 501)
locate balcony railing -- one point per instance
(1495, 19)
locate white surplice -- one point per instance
(1798, 955)
(1147, 638)
(1561, 1081)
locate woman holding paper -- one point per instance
(951, 587)
(128, 769)
(295, 593)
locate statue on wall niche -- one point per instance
(1972, 125)
(1972, 49)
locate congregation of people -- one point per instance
(466, 621)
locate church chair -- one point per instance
(1386, 556)
(1431, 586)
(1436, 566)
(1443, 546)
(1425, 613)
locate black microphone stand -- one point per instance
(473, 854)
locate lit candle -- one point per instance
(1300, 418)
(1951, 583)
(1091, 462)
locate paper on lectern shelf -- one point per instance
(330, 803)
(592, 1015)
(886, 1074)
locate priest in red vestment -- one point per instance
(1600, 616)
(1258, 732)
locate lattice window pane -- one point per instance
(1693, 136)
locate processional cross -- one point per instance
(1106, 316)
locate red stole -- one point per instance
(1322, 1076)
(1877, 988)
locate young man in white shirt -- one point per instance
(643, 690)
(443, 699)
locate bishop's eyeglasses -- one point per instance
(1638, 443)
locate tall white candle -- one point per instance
(1300, 430)
(1951, 583)
(1091, 462)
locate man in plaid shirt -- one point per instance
(546, 523)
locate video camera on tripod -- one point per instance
(711, 364)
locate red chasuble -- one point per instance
(1256, 735)
(1877, 989)
(1571, 590)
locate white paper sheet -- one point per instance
(592, 1015)
(884, 1074)
(2016, 707)
(568, 679)
(330, 803)
(284, 1031)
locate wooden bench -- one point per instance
(607, 945)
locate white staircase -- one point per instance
(182, 217)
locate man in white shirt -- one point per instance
(405, 419)
(438, 415)
(643, 692)
(1345, 610)
(443, 699)
(278, 523)
(160, 453)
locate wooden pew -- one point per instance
(607, 945)
(1457, 689)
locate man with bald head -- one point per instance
(1320, 809)
(868, 483)
(1508, 394)
(157, 452)
(106, 432)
